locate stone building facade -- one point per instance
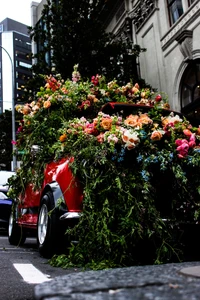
(170, 31)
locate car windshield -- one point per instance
(3, 196)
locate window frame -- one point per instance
(191, 109)
(190, 2)
(170, 4)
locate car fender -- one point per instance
(58, 197)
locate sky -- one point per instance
(18, 10)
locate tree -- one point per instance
(72, 32)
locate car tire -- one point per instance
(16, 235)
(48, 228)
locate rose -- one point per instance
(63, 137)
(192, 141)
(135, 90)
(132, 120)
(106, 123)
(156, 135)
(47, 104)
(183, 147)
(187, 132)
(90, 129)
(158, 98)
(144, 119)
(26, 110)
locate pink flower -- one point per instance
(13, 142)
(192, 141)
(19, 129)
(95, 79)
(89, 129)
(183, 147)
(180, 142)
(112, 138)
(100, 138)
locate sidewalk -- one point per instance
(153, 282)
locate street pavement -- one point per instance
(153, 282)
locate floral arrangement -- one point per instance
(139, 164)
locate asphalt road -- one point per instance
(24, 275)
(22, 268)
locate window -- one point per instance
(175, 10)
(190, 2)
(190, 90)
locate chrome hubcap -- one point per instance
(42, 224)
(10, 226)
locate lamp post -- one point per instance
(13, 111)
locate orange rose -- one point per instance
(26, 110)
(165, 121)
(135, 90)
(166, 106)
(106, 123)
(198, 131)
(63, 137)
(132, 120)
(47, 104)
(144, 119)
(187, 132)
(156, 135)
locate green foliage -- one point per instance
(138, 164)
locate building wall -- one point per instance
(170, 47)
(14, 40)
(7, 43)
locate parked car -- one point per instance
(58, 203)
(47, 211)
(5, 201)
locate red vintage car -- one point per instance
(48, 211)
(58, 204)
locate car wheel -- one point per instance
(48, 228)
(16, 235)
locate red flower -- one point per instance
(85, 104)
(158, 98)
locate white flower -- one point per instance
(131, 139)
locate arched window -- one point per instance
(190, 91)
